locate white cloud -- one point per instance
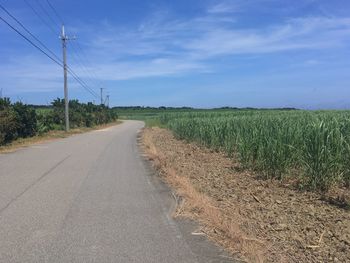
(161, 46)
(30, 74)
(154, 68)
(224, 7)
(306, 33)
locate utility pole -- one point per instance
(64, 39)
(101, 96)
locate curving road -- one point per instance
(90, 198)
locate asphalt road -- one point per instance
(89, 198)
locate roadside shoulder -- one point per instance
(268, 221)
(50, 136)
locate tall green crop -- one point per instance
(274, 143)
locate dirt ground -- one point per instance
(281, 223)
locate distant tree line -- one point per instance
(164, 108)
(18, 120)
(147, 108)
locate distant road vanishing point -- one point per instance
(89, 198)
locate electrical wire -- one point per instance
(86, 60)
(79, 61)
(41, 19)
(54, 57)
(78, 57)
(52, 20)
(33, 36)
(55, 12)
(76, 54)
(82, 83)
(31, 42)
(58, 62)
(46, 13)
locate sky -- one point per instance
(198, 53)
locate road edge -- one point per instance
(50, 136)
(201, 246)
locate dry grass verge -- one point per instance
(195, 205)
(261, 220)
(49, 136)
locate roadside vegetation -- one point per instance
(311, 147)
(18, 120)
(268, 185)
(256, 220)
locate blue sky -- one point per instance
(200, 53)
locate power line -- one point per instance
(58, 62)
(79, 62)
(61, 20)
(91, 76)
(31, 42)
(33, 36)
(54, 57)
(87, 61)
(82, 83)
(79, 59)
(55, 12)
(41, 19)
(82, 66)
(76, 54)
(46, 13)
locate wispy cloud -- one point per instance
(163, 46)
(166, 47)
(151, 68)
(301, 33)
(224, 7)
(30, 74)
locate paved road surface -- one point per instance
(88, 198)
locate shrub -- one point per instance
(20, 120)
(26, 120)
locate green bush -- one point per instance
(26, 120)
(8, 122)
(80, 114)
(20, 120)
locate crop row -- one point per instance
(313, 146)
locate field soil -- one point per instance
(256, 220)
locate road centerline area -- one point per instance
(97, 205)
(33, 183)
